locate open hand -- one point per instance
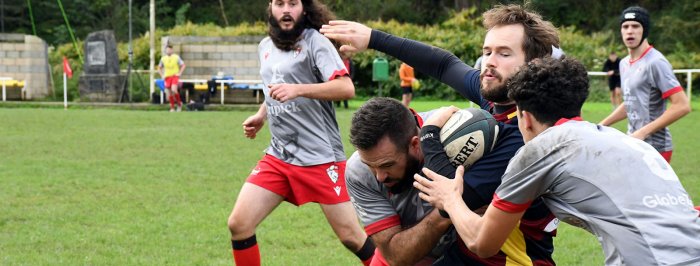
(353, 36)
(438, 190)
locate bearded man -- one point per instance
(305, 162)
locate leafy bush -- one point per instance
(462, 35)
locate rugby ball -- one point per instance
(468, 135)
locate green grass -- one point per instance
(119, 187)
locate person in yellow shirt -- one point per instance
(407, 78)
(170, 68)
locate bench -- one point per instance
(19, 85)
(230, 90)
(195, 82)
(240, 87)
(160, 83)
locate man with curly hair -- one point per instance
(588, 175)
(305, 161)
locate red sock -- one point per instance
(177, 97)
(246, 252)
(172, 103)
(247, 257)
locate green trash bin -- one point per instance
(380, 69)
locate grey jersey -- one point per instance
(375, 205)
(646, 83)
(379, 209)
(616, 187)
(304, 131)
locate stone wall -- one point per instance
(25, 57)
(206, 56)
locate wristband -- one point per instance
(429, 131)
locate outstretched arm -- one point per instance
(433, 61)
(424, 58)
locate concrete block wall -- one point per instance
(206, 56)
(25, 57)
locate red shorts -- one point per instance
(667, 155)
(323, 183)
(172, 80)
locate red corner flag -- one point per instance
(66, 68)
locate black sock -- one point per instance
(244, 244)
(367, 250)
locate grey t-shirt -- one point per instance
(376, 205)
(646, 83)
(615, 186)
(379, 209)
(304, 131)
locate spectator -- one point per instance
(407, 77)
(170, 69)
(612, 69)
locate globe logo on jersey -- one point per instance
(666, 200)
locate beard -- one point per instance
(413, 166)
(285, 40)
(496, 94)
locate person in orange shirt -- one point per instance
(407, 77)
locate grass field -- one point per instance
(117, 187)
